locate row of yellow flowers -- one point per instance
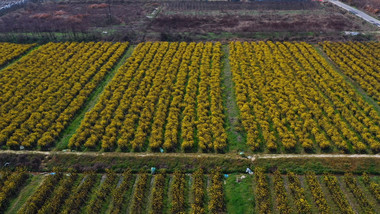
(316, 192)
(11, 186)
(351, 183)
(119, 192)
(79, 198)
(372, 186)
(288, 94)
(60, 194)
(282, 199)
(158, 194)
(9, 51)
(41, 93)
(42, 194)
(217, 203)
(359, 61)
(162, 96)
(337, 195)
(198, 193)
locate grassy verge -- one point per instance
(239, 195)
(236, 139)
(33, 183)
(90, 103)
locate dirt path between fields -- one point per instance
(195, 155)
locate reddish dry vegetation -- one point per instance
(223, 5)
(52, 17)
(256, 23)
(102, 5)
(372, 6)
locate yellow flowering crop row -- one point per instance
(372, 186)
(316, 192)
(178, 203)
(359, 61)
(337, 195)
(217, 203)
(298, 194)
(139, 197)
(351, 183)
(197, 207)
(262, 192)
(40, 94)
(9, 51)
(281, 196)
(289, 95)
(164, 95)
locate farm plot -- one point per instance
(360, 62)
(9, 51)
(199, 192)
(89, 192)
(292, 100)
(167, 96)
(40, 94)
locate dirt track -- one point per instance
(230, 156)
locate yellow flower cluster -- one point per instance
(39, 197)
(281, 196)
(9, 51)
(166, 93)
(337, 194)
(298, 193)
(11, 186)
(317, 193)
(178, 193)
(41, 93)
(158, 194)
(216, 204)
(119, 192)
(289, 95)
(139, 197)
(198, 193)
(262, 192)
(96, 204)
(352, 185)
(372, 186)
(80, 197)
(359, 61)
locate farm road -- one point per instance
(228, 155)
(357, 12)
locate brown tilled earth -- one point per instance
(189, 21)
